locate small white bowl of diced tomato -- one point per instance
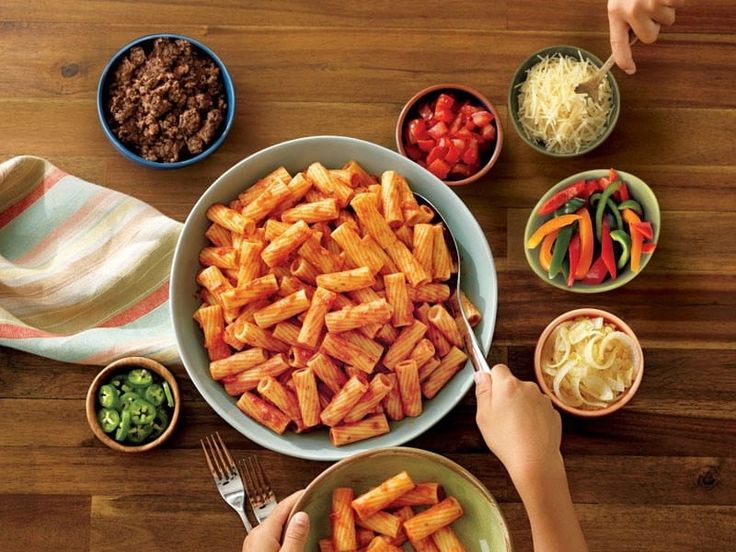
(451, 130)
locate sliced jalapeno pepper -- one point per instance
(154, 394)
(124, 426)
(142, 412)
(169, 396)
(108, 396)
(118, 381)
(138, 434)
(559, 252)
(160, 423)
(140, 377)
(108, 418)
(127, 399)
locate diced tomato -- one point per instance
(413, 152)
(417, 130)
(453, 154)
(488, 133)
(445, 101)
(426, 145)
(436, 153)
(459, 143)
(470, 155)
(438, 130)
(461, 170)
(425, 112)
(439, 168)
(482, 118)
(448, 137)
(457, 124)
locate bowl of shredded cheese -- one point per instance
(548, 114)
(589, 362)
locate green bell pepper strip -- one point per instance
(616, 215)
(631, 204)
(108, 418)
(108, 396)
(623, 239)
(124, 426)
(570, 207)
(560, 250)
(565, 270)
(612, 187)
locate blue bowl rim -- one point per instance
(612, 118)
(125, 151)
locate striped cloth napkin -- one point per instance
(84, 271)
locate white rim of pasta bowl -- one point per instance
(478, 278)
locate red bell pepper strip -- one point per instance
(597, 273)
(637, 241)
(607, 250)
(587, 244)
(579, 189)
(622, 194)
(648, 247)
(646, 229)
(573, 253)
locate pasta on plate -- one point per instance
(387, 516)
(325, 301)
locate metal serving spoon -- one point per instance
(480, 364)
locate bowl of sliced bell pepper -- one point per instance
(593, 232)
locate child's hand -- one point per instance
(267, 536)
(518, 423)
(644, 17)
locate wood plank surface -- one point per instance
(658, 475)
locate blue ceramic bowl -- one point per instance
(102, 111)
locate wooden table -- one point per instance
(659, 475)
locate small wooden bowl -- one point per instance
(611, 319)
(124, 365)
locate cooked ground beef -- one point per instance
(167, 104)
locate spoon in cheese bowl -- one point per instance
(457, 299)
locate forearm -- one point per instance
(546, 497)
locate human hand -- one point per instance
(644, 17)
(518, 423)
(267, 536)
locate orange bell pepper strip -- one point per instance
(637, 241)
(545, 252)
(637, 238)
(550, 226)
(587, 244)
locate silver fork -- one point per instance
(226, 476)
(261, 496)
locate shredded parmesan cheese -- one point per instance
(552, 113)
(588, 363)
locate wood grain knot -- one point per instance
(708, 477)
(69, 70)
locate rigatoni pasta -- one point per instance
(325, 303)
(391, 513)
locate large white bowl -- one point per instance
(478, 272)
